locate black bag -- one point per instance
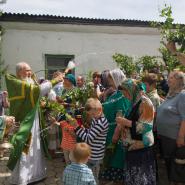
(177, 172)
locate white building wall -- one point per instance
(93, 46)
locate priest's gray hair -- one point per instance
(20, 66)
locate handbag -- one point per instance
(177, 170)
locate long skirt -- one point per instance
(140, 167)
(114, 165)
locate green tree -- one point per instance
(126, 63)
(170, 32)
(3, 68)
(148, 62)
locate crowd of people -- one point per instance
(113, 138)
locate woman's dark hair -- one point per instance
(150, 78)
(96, 74)
(104, 77)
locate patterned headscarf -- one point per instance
(118, 77)
(133, 88)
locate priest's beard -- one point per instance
(29, 80)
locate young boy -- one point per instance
(96, 135)
(78, 172)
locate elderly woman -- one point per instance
(114, 101)
(5, 121)
(69, 85)
(140, 159)
(171, 125)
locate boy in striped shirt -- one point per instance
(95, 136)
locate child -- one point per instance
(78, 172)
(96, 135)
(68, 138)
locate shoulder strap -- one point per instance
(134, 116)
(134, 111)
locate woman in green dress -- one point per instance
(114, 102)
(140, 159)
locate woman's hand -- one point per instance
(136, 145)
(117, 134)
(123, 122)
(181, 135)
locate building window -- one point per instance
(56, 63)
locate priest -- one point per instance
(27, 160)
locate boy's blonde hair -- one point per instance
(81, 152)
(93, 103)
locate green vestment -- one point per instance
(24, 102)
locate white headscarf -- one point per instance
(118, 76)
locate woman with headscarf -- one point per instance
(69, 85)
(171, 127)
(114, 101)
(5, 124)
(5, 121)
(140, 159)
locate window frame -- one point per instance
(59, 56)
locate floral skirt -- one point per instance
(140, 167)
(112, 174)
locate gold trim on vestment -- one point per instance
(22, 93)
(31, 96)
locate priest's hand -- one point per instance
(59, 78)
(9, 120)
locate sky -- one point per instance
(146, 10)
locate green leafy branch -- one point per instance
(78, 96)
(126, 63)
(170, 32)
(54, 107)
(145, 63)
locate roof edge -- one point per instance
(52, 19)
